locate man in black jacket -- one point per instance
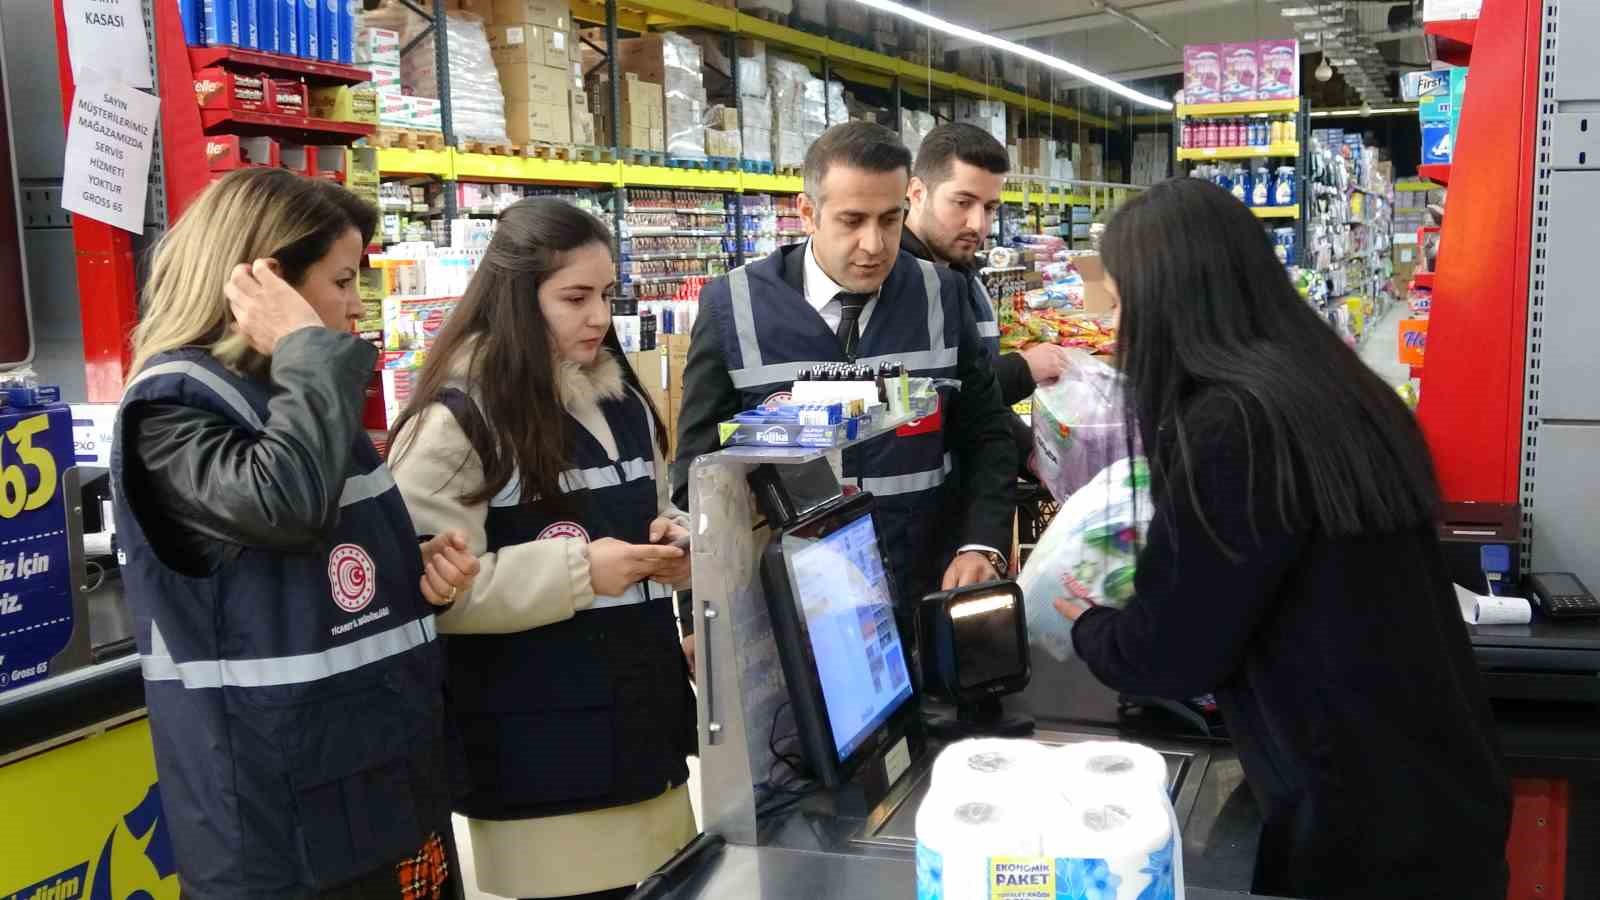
(955, 195)
(848, 293)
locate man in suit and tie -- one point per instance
(849, 293)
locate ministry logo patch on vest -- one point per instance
(777, 398)
(564, 529)
(353, 576)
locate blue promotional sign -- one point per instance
(35, 568)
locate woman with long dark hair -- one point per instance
(529, 432)
(1292, 569)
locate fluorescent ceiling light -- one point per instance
(1298, 12)
(989, 40)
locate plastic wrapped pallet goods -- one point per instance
(757, 128)
(788, 80)
(675, 62)
(477, 104)
(838, 107)
(914, 126)
(752, 68)
(776, 7)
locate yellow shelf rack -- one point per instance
(1191, 153)
(1188, 110)
(1276, 212)
(456, 165)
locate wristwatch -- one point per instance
(996, 560)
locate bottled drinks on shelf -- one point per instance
(1256, 131)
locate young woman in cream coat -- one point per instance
(529, 432)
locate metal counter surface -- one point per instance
(774, 873)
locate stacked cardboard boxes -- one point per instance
(534, 49)
(641, 113)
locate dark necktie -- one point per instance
(850, 306)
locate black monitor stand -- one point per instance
(983, 718)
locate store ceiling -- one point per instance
(1084, 32)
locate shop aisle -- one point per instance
(1382, 347)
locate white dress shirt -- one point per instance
(822, 293)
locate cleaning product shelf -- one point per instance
(1196, 110)
(1289, 150)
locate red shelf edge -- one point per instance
(1452, 40)
(1438, 173)
(212, 118)
(1423, 280)
(202, 57)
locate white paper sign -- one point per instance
(108, 152)
(109, 37)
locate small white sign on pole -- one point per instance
(109, 37)
(109, 141)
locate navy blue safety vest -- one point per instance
(983, 311)
(296, 699)
(770, 333)
(595, 711)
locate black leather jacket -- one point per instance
(206, 487)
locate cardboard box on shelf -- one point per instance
(555, 13)
(543, 122)
(377, 45)
(583, 124)
(534, 83)
(343, 103)
(225, 152)
(677, 348)
(218, 88)
(386, 79)
(516, 44)
(558, 47)
(722, 142)
(483, 9)
(286, 97)
(426, 114)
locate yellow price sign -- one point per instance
(15, 498)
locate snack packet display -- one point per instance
(1088, 552)
(1078, 428)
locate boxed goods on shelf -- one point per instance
(1202, 73)
(218, 88)
(1240, 71)
(343, 103)
(286, 97)
(799, 110)
(775, 7)
(1279, 78)
(673, 61)
(377, 46)
(532, 12)
(226, 152)
(641, 113)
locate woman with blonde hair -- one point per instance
(284, 613)
(529, 432)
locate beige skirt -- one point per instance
(583, 852)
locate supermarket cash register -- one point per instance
(853, 676)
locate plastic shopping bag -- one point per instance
(1078, 428)
(1088, 552)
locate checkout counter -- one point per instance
(75, 750)
(77, 772)
(858, 840)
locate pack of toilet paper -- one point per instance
(1016, 820)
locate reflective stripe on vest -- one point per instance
(593, 478)
(910, 483)
(752, 372)
(225, 392)
(989, 329)
(366, 487)
(159, 665)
